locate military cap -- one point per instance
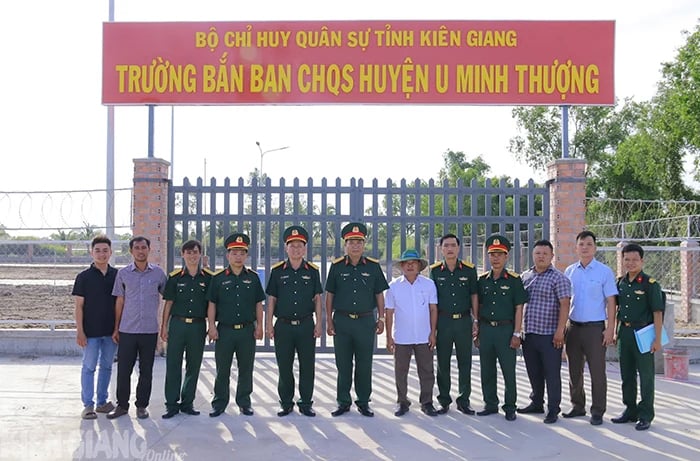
(295, 233)
(354, 230)
(497, 244)
(237, 240)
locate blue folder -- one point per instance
(645, 337)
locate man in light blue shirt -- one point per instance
(591, 327)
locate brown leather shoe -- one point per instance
(117, 412)
(106, 408)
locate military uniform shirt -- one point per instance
(455, 287)
(498, 297)
(355, 288)
(294, 289)
(189, 294)
(235, 296)
(636, 304)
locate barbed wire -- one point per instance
(70, 211)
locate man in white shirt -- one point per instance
(411, 320)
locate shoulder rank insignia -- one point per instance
(652, 280)
(312, 265)
(218, 272)
(337, 260)
(484, 274)
(208, 271)
(175, 272)
(276, 265)
(434, 265)
(513, 274)
(372, 259)
(468, 264)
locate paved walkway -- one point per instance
(40, 408)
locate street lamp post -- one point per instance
(260, 179)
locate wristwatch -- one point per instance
(475, 321)
(518, 334)
(381, 319)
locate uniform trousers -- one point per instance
(633, 362)
(584, 345)
(131, 346)
(291, 340)
(354, 340)
(242, 343)
(426, 375)
(183, 339)
(494, 344)
(457, 332)
(543, 364)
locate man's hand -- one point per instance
(330, 327)
(81, 339)
(558, 340)
(318, 330)
(380, 327)
(213, 334)
(431, 341)
(608, 337)
(390, 345)
(164, 333)
(115, 336)
(269, 331)
(258, 332)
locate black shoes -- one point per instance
(117, 412)
(365, 410)
(306, 411)
(531, 409)
(284, 411)
(170, 413)
(466, 409)
(551, 417)
(248, 411)
(189, 411)
(401, 409)
(487, 411)
(574, 413)
(596, 420)
(141, 413)
(340, 410)
(216, 413)
(429, 409)
(624, 418)
(510, 415)
(642, 425)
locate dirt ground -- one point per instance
(53, 301)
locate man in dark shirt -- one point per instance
(235, 302)
(184, 329)
(94, 321)
(294, 296)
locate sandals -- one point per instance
(88, 413)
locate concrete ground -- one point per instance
(40, 419)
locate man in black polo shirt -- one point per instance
(94, 320)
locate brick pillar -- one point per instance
(567, 207)
(620, 268)
(150, 205)
(684, 311)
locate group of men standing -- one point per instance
(543, 310)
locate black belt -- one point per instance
(189, 319)
(355, 315)
(240, 326)
(496, 323)
(597, 323)
(294, 321)
(454, 315)
(635, 324)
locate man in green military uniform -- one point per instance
(294, 296)
(354, 288)
(639, 304)
(235, 302)
(501, 299)
(457, 309)
(184, 329)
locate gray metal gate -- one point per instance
(398, 215)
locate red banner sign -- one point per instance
(359, 62)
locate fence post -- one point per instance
(567, 207)
(150, 205)
(620, 269)
(688, 263)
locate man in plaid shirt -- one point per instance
(545, 318)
